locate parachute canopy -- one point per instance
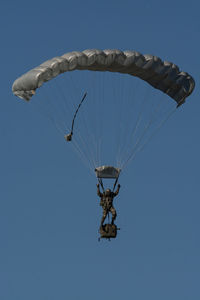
(162, 75)
(117, 118)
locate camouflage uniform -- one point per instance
(107, 203)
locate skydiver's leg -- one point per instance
(114, 214)
(104, 216)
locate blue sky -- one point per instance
(49, 211)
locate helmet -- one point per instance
(107, 192)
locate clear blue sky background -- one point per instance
(49, 213)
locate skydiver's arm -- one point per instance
(117, 190)
(98, 191)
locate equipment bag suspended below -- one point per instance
(108, 231)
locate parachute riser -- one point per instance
(116, 180)
(101, 184)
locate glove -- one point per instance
(119, 186)
(98, 185)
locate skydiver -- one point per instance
(107, 203)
